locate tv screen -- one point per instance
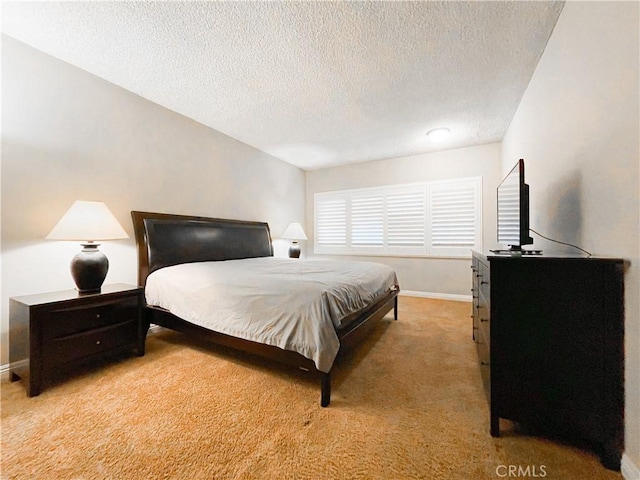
(513, 209)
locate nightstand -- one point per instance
(53, 332)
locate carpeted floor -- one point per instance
(407, 403)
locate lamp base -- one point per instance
(294, 250)
(89, 268)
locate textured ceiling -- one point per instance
(314, 83)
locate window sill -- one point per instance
(394, 255)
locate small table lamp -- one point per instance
(87, 222)
(294, 232)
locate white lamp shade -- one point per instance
(87, 221)
(294, 232)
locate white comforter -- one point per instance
(293, 304)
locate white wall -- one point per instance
(67, 135)
(577, 128)
(442, 276)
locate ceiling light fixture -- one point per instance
(438, 133)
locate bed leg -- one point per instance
(325, 388)
(395, 308)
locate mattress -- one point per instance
(293, 304)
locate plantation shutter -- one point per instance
(436, 218)
(406, 218)
(454, 216)
(367, 220)
(331, 221)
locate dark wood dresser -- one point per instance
(53, 332)
(549, 332)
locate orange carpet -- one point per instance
(407, 403)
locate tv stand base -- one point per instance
(517, 252)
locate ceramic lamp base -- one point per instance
(89, 268)
(294, 250)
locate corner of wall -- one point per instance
(628, 469)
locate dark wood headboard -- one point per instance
(164, 239)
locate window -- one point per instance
(436, 218)
(367, 219)
(331, 222)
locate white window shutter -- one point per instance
(437, 218)
(406, 217)
(330, 222)
(454, 214)
(367, 220)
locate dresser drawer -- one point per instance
(484, 323)
(483, 283)
(79, 345)
(64, 322)
(482, 347)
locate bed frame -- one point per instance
(165, 239)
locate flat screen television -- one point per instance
(513, 211)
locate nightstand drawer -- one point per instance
(69, 321)
(73, 347)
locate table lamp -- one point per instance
(294, 232)
(88, 222)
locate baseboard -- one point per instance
(628, 469)
(6, 368)
(439, 296)
(153, 328)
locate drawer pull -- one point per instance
(483, 282)
(98, 342)
(97, 315)
(484, 363)
(484, 319)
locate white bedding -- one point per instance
(293, 304)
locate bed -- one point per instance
(205, 276)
